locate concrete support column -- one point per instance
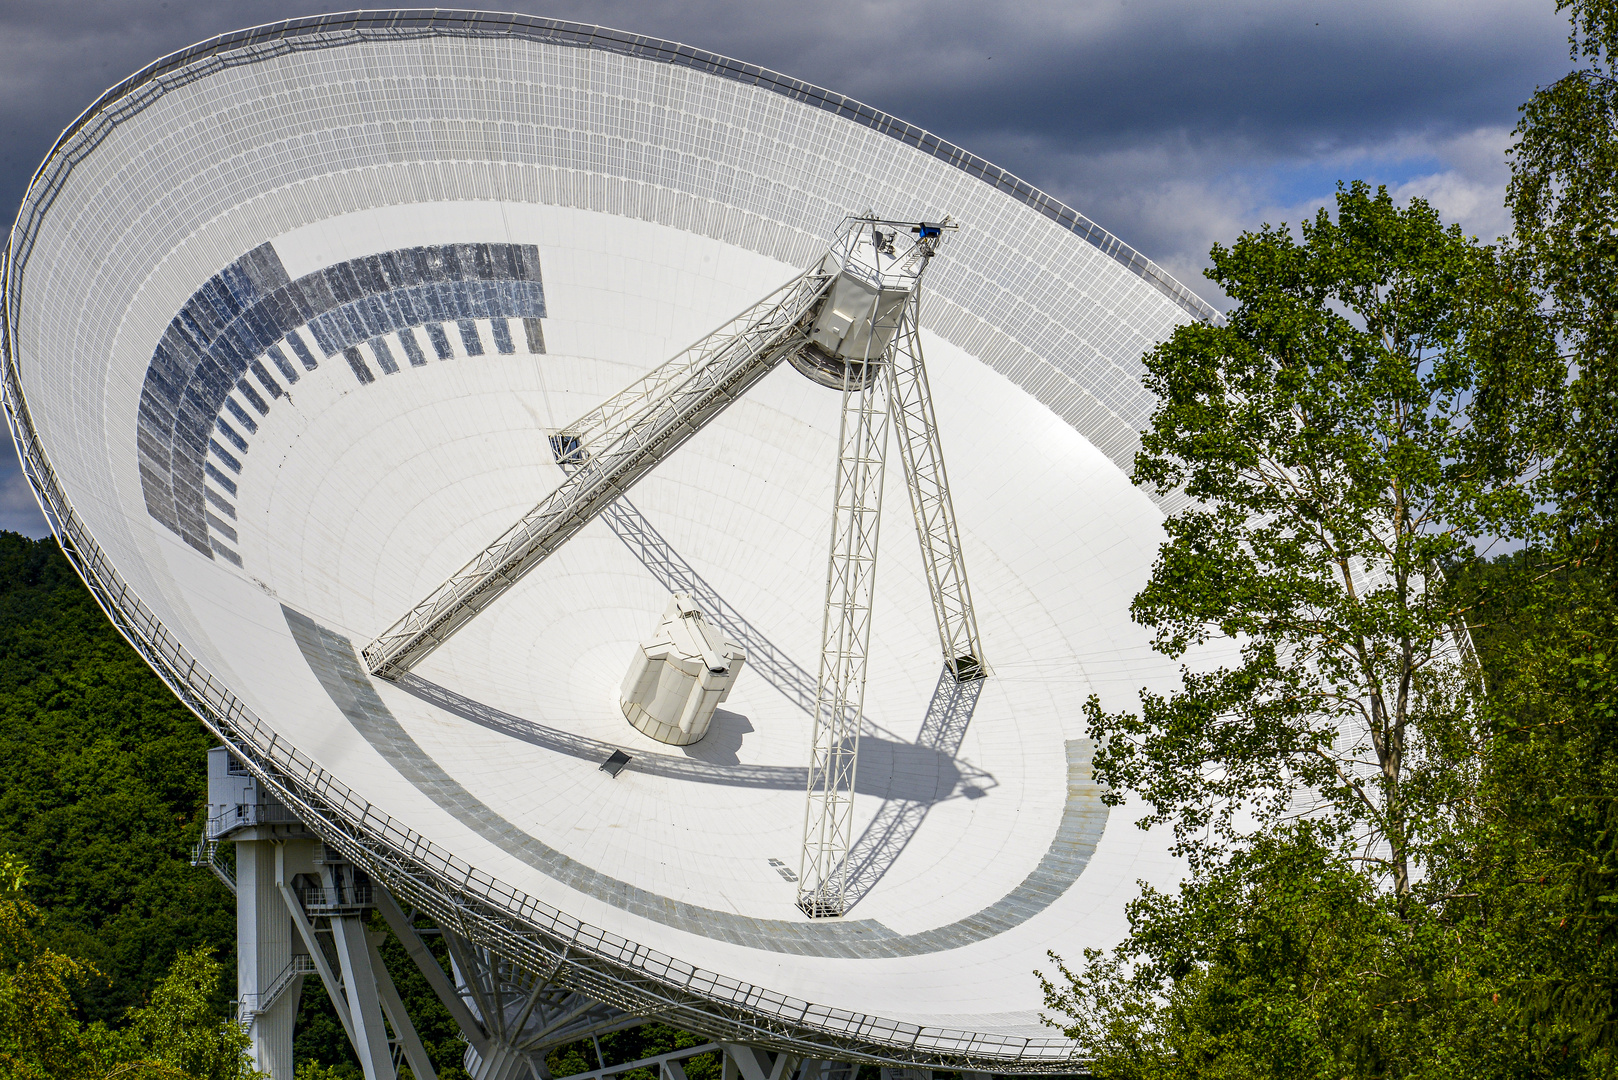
(268, 984)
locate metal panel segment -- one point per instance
(257, 43)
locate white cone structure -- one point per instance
(680, 675)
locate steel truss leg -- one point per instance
(525, 1017)
(828, 1070)
(737, 1062)
(404, 929)
(345, 955)
(510, 1017)
(906, 1074)
(513, 1019)
(912, 406)
(364, 1003)
(755, 1064)
(845, 642)
(393, 1007)
(311, 940)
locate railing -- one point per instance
(320, 900)
(247, 815)
(252, 1006)
(205, 852)
(658, 1065)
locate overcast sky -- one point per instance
(1172, 123)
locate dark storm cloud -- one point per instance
(1284, 76)
(1172, 123)
(1275, 79)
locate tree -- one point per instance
(40, 1035)
(1545, 854)
(177, 1036)
(1564, 199)
(180, 1029)
(1384, 391)
(1285, 961)
(1553, 782)
(310, 1070)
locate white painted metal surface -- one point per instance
(605, 462)
(496, 224)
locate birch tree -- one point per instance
(1384, 392)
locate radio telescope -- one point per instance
(483, 423)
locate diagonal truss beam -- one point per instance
(604, 424)
(911, 404)
(624, 445)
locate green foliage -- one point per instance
(177, 1036)
(1546, 854)
(310, 1070)
(1286, 962)
(1564, 199)
(102, 785)
(40, 1034)
(1552, 790)
(1384, 390)
(180, 1028)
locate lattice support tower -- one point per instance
(845, 644)
(916, 428)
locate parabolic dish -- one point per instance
(287, 318)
